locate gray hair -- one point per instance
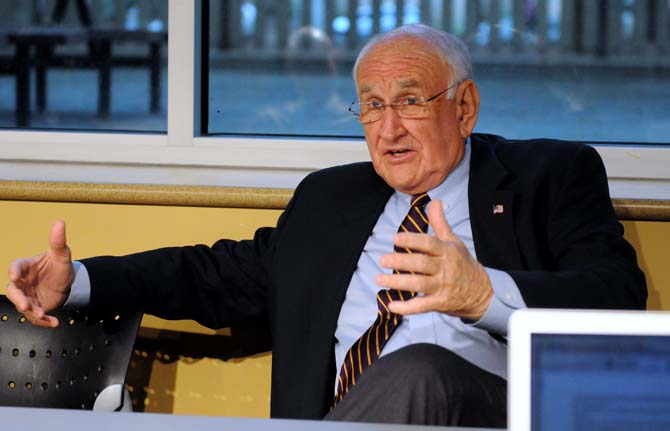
(451, 50)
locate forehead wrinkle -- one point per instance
(420, 67)
(414, 75)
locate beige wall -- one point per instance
(651, 240)
(189, 386)
(211, 386)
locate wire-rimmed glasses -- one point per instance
(410, 106)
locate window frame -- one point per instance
(183, 156)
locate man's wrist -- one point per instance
(484, 298)
(505, 300)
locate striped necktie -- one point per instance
(367, 348)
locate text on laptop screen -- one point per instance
(600, 382)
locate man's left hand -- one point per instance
(441, 268)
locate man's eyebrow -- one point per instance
(408, 83)
(365, 88)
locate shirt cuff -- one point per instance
(80, 291)
(506, 299)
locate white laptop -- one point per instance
(588, 370)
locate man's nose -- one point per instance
(391, 126)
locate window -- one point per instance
(265, 103)
(96, 65)
(545, 68)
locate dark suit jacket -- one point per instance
(557, 236)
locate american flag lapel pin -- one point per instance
(498, 209)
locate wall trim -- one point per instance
(143, 194)
(229, 197)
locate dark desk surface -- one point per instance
(75, 420)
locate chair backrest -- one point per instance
(64, 367)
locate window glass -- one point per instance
(591, 71)
(83, 64)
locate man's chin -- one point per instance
(407, 181)
(404, 185)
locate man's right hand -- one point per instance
(42, 283)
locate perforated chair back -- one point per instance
(64, 367)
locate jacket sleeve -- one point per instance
(218, 286)
(593, 266)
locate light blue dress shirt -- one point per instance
(469, 340)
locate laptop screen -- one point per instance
(584, 382)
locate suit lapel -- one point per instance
(348, 236)
(492, 208)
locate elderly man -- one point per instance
(388, 285)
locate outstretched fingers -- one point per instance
(58, 241)
(418, 304)
(39, 284)
(19, 269)
(416, 283)
(18, 298)
(413, 262)
(29, 308)
(438, 221)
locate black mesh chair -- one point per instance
(81, 364)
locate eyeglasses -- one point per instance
(406, 106)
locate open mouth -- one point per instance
(398, 152)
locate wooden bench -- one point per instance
(35, 48)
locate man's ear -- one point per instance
(467, 105)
